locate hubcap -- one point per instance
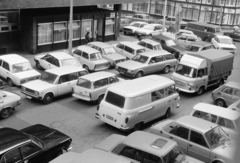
(220, 103)
(5, 113)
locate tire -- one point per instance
(100, 99)
(38, 66)
(220, 102)
(60, 152)
(48, 98)
(138, 126)
(200, 90)
(167, 114)
(139, 74)
(5, 113)
(10, 82)
(86, 67)
(206, 39)
(166, 69)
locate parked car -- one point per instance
(224, 43)
(141, 17)
(229, 120)
(184, 31)
(149, 30)
(123, 23)
(91, 156)
(169, 45)
(147, 63)
(91, 59)
(54, 60)
(92, 87)
(141, 145)
(235, 35)
(128, 49)
(170, 20)
(235, 106)
(130, 29)
(149, 44)
(198, 138)
(8, 102)
(53, 82)
(34, 144)
(16, 69)
(186, 39)
(107, 52)
(227, 94)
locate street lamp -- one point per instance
(70, 28)
(164, 16)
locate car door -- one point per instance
(215, 41)
(171, 97)
(198, 147)
(100, 87)
(5, 70)
(1, 61)
(46, 61)
(182, 40)
(157, 30)
(33, 154)
(152, 66)
(77, 54)
(159, 102)
(226, 94)
(128, 52)
(64, 85)
(164, 45)
(119, 48)
(84, 59)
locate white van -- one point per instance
(130, 104)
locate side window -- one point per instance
(1, 62)
(141, 25)
(113, 79)
(85, 55)
(132, 153)
(206, 116)
(169, 57)
(140, 17)
(29, 149)
(120, 46)
(228, 90)
(81, 73)
(149, 158)
(201, 72)
(100, 83)
(5, 65)
(142, 43)
(55, 62)
(225, 123)
(78, 52)
(149, 46)
(159, 59)
(180, 131)
(163, 42)
(73, 76)
(182, 38)
(236, 93)
(191, 39)
(63, 79)
(11, 157)
(129, 50)
(156, 95)
(198, 138)
(169, 90)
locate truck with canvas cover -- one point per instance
(197, 72)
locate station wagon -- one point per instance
(149, 44)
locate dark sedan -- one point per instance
(34, 144)
(169, 45)
(235, 35)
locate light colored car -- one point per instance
(198, 138)
(108, 52)
(149, 44)
(130, 29)
(223, 42)
(8, 102)
(124, 22)
(128, 49)
(54, 60)
(229, 120)
(17, 70)
(227, 94)
(147, 63)
(53, 82)
(235, 106)
(186, 39)
(141, 145)
(184, 31)
(91, 59)
(92, 87)
(149, 30)
(141, 17)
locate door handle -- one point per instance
(190, 145)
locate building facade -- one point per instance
(225, 13)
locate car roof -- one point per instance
(140, 86)
(217, 110)
(155, 53)
(100, 44)
(195, 123)
(223, 36)
(97, 75)
(61, 55)
(150, 41)
(87, 49)
(154, 24)
(200, 43)
(10, 138)
(131, 44)
(189, 35)
(184, 30)
(203, 24)
(144, 141)
(13, 58)
(65, 70)
(233, 84)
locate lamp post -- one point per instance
(70, 28)
(164, 15)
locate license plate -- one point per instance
(29, 97)
(109, 117)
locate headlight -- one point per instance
(130, 71)
(36, 92)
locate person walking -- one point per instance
(87, 36)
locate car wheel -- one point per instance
(220, 102)
(48, 98)
(5, 113)
(200, 91)
(206, 39)
(139, 74)
(138, 126)
(166, 69)
(86, 67)
(167, 114)
(10, 82)
(60, 152)
(38, 66)
(100, 99)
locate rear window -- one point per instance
(169, 56)
(115, 99)
(84, 83)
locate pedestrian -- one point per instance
(95, 35)
(87, 36)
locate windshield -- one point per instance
(174, 156)
(149, 27)
(186, 71)
(216, 137)
(70, 62)
(95, 56)
(109, 50)
(48, 77)
(226, 41)
(84, 83)
(35, 140)
(135, 24)
(157, 47)
(140, 58)
(170, 43)
(192, 48)
(20, 67)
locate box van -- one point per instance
(204, 30)
(130, 104)
(226, 118)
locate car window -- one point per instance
(84, 83)
(198, 138)
(63, 79)
(85, 55)
(182, 38)
(142, 43)
(29, 149)
(113, 79)
(142, 25)
(193, 48)
(135, 16)
(100, 83)
(73, 76)
(78, 52)
(163, 42)
(236, 93)
(156, 95)
(120, 46)
(168, 56)
(180, 131)
(206, 116)
(81, 73)
(140, 17)
(1, 62)
(191, 39)
(5, 65)
(48, 58)
(149, 46)
(115, 99)
(169, 90)
(228, 90)
(140, 51)
(129, 50)
(225, 123)
(55, 62)
(12, 156)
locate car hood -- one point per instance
(226, 151)
(100, 61)
(130, 65)
(27, 74)
(49, 136)
(41, 85)
(37, 57)
(227, 46)
(115, 56)
(178, 48)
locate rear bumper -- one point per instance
(186, 90)
(81, 97)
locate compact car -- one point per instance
(224, 43)
(198, 138)
(130, 29)
(149, 30)
(186, 39)
(184, 31)
(34, 144)
(149, 44)
(141, 17)
(235, 106)
(91, 59)
(124, 22)
(227, 94)
(17, 70)
(54, 60)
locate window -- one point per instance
(100, 83)
(21, 67)
(9, 21)
(182, 38)
(86, 26)
(228, 90)
(109, 28)
(5, 65)
(156, 95)
(63, 79)
(73, 76)
(115, 99)
(45, 33)
(129, 50)
(198, 139)
(85, 55)
(113, 79)
(149, 46)
(78, 52)
(169, 57)
(76, 29)
(55, 62)
(28, 150)
(48, 58)
(169, 90)
(142, 43)
(201, 72)
(11, 157)
(120, 46)
(84, 83)
(225, 123)
(60, 32)
(162, 42)
(191, 39)
(206, 116)
(236, 93)
(180, 131)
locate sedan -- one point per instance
(149, 30)
(186, 39)
(130, 29)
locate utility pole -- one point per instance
(70, 28)
(164, 16)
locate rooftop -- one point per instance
(65, 70)
(97, 75)
(87, 49)
(100, 44)
(13, 58)
(155, 53)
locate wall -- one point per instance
(10, 41)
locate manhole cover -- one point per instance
(56, 124)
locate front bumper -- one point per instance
(31, 95)
(186, 90)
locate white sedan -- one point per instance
(149, 30)
(224, 43)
